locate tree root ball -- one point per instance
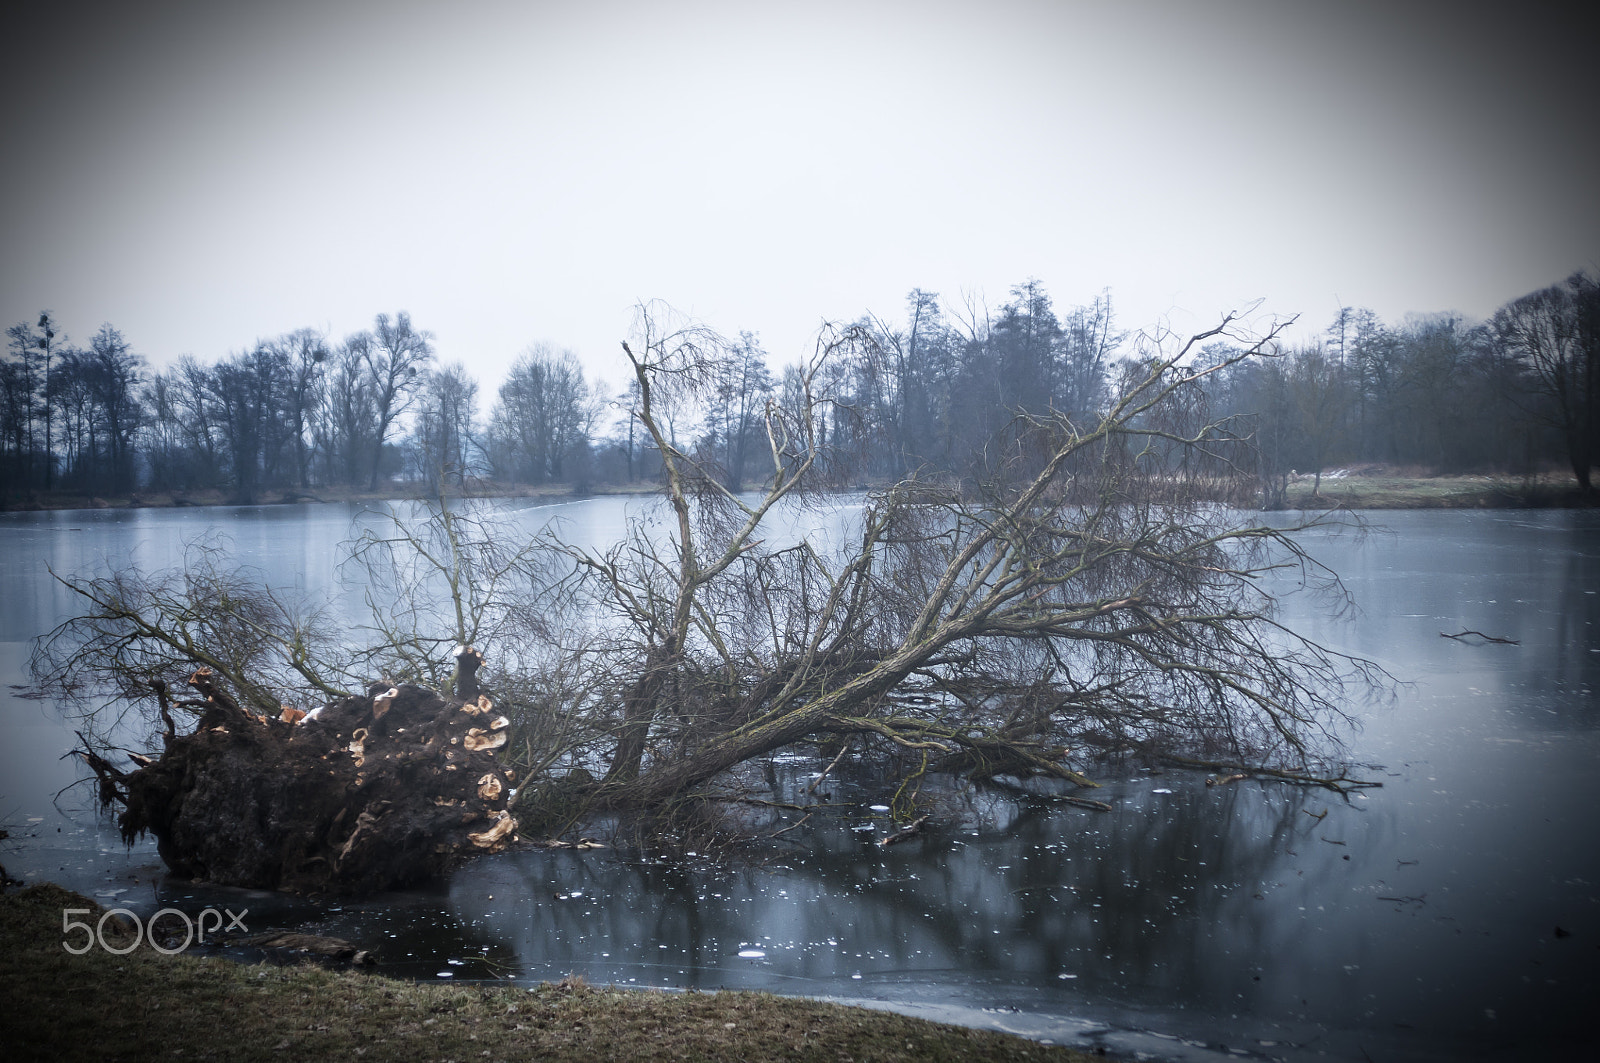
(373, 792)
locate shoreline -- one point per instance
(141, 1004)
(1369, 488)
(1381, 487)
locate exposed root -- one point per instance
(374, 792)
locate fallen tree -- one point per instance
(1094, 591)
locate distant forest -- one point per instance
(930, 395)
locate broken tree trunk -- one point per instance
(369, 793)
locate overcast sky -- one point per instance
(202, 175)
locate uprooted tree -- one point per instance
(1095, 591)
(373, 791)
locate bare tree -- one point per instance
(1556, 332)
(304, 354)
(346, 429)
(1316, 388)
(543, 418)
(30, 360)
(445, 435)
(190, 386)
(48, 345)
(16, 412)
(1088, 342)
(395, 359)
(248, 392)
(118, 374)
(740, 392)
(914, 354)
(24, 375)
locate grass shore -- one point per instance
(1363, 487)
(145, 1005)
(1379, 487)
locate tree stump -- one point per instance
(373, 792)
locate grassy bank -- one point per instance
(144, 1005)
(1382, 489)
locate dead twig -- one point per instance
(1341, 784)
(791, 826)
(1487, 638)
(843, 749)
(767, 804)
(910, 830)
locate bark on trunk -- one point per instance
(639, 712)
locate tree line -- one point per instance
(292, 413)
(936, 390)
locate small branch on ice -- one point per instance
(1487, 638)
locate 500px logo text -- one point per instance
(97, 932)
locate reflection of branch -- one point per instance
(1487, 638)
(1033, 795)
(843, 749)
(766, 804)
(791, 826)
(1340, 784)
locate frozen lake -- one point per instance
(1416, 921)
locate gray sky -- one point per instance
(204, 174)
